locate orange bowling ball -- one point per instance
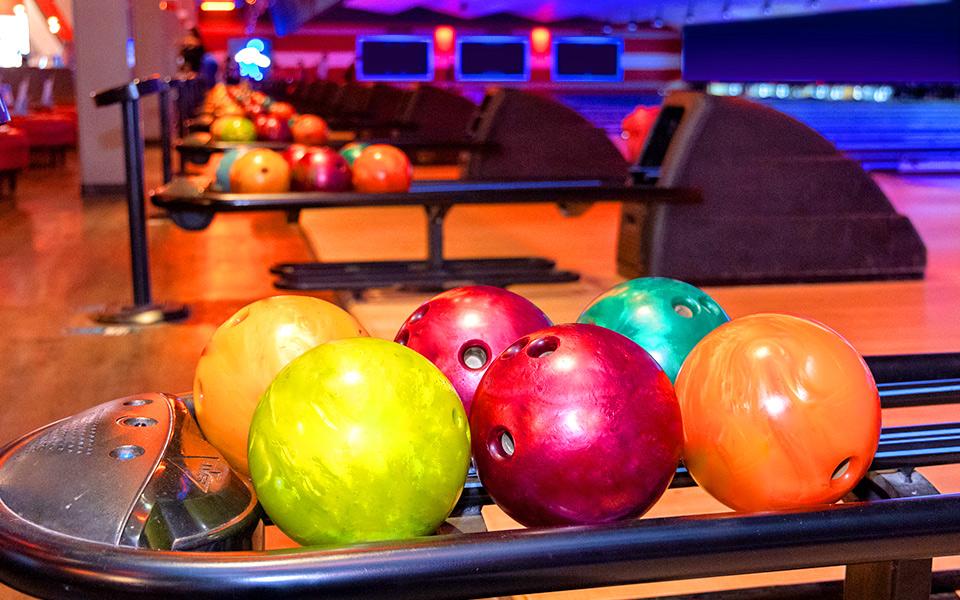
(282, 110)
(778, 412)
(245, 354)
(260, 171)
(382, 168)
(309, 129)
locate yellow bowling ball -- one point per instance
(246, 353)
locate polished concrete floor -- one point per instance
(62, 257)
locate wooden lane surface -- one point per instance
(877, 317)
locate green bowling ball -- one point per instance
(665, 316)
(359, 440)
(351, 151)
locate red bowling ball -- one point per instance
(271, 128)
(461, 331)
(322, 170)
(294, 153)
(575, 424)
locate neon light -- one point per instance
(444, 36)
(53, 24)
(540, 39)
(252, 60)
(215, 6)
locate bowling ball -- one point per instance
(778, 412)
(575, 424)
(359, 440)
(233, 129)
(381, 168)
(244, 355)
(222, 181)
(260, 171)
(229, 109)
(665, 316)
(464, 329)
(352, 150)
(636, 127)
(322, 170)
(187, 187)
(294, 153)
(309, 129)
(271, 128)
(198, 138)
(282, 110)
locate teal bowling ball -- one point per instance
(222, 180)
(351, 151)
(665, 316)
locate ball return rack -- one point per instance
(192, 530)
(437, 198)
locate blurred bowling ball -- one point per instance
(778, 412)
(260, 171)
(665, 316)
(294, 153)
(271, 128)
(222, 181)
(636, 127)
(464, 329)
(575, 424)
(359, 440)
(244, 355)
(187, 187)
(282, 110)
(229, 109)
(198, 138)
(309, 129)
(382, 169)
(321, 170)
(352, 150)
(233, 129)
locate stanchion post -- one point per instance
(144, 310)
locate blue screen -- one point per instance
(395, 58)
(917, 44)
(587, 59)
(492, 58)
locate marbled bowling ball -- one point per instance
(665, 316)
(463, 330)
(575, 424)
(778, 412)
(244, 355)
(359, 440)
(260, 171)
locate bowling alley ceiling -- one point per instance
(674, 12)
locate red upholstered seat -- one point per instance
(14, 156)
(46, 130)
(14, 149)
(50, 133)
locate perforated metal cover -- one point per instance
(131, 472)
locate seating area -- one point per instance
(44, 118)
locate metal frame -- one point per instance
(143, 311)
(887, 533)
(436, 198)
